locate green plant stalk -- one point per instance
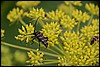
(60, 46)
(48, 48)
(41, 23)
(52, 62)
(70, 13)
(78, 26)
(59, 50)
(53, 51)
(49, 60)
(22, 22)
(90, 20)
(28, 49)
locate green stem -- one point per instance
(28, 49)
(60, 46)
(41, 23)
(90, 20)
(49, 60)
(59, 50)
(53, 51)
(22, 22)
(52, 62)
(70, 13)
(54, 55)
(48, 48)
(12, 45)
(78, 26)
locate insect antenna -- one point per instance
(36, 22)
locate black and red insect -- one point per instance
(40, 36)
(95, 38)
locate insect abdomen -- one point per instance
(95, 38)
(42, 38)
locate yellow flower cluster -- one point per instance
(25, 33)
(35, 13)
(93, 9)
(15, 14)
(78, 52)
(95, 23)
(69, 38)
(76, 3)
(27, 4)
(68, 23)
(52, 31)
(2, 33)
(62, 61)
(92, 30)
(66, 8)
(35, 59)
(80, 16)
(55, 15)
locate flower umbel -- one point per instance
(15, 14)
(55, 15)
(95, 23)
(68, 23)
(91, 30)
(78, 50)
(80, 16)
(35, 13)
(76, 3)
(27, 4)
(66, 8)
(35, 59)
(93, 9)
(52, 31)
(25, 33)
(62, 61)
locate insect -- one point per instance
(95, 38)
(39, 36)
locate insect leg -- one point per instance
(46, 38)
(39, 44)
(33, 40)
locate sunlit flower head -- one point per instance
(15, 14)
(55, 15)
(35, 13)
(76, 3)
(68, 23)
(80, 16)
(66, 8)
(78, 52)
(51, 31)
(25, 33)
(95, 22)
(27, 4)
(92, 30)
(93, 9)
(35, 59)
(62, 61)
